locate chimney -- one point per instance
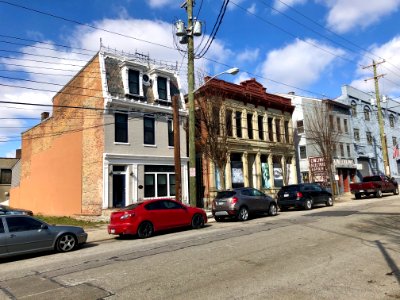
(18, 153)
(44, 115)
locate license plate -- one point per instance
(112, 230)
(286, 195)
(361, 191)
(221, 213)
(220, 203)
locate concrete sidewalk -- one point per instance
(100, 233)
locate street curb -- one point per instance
(104, 236)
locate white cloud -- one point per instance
(298, 64)
(252, 9)
(345, 15)
(280, 5)
(389, 84)
(232, 6)
(243, 76)
(10, 154)
(161, 3)
(158, 32)
(248, 55)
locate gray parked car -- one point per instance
(7, 210)
(21, 234)
(241, 202)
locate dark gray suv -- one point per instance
(241, 202)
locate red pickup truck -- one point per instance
(374, 185)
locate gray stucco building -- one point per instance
(366, 134)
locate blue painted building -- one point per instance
(366, 134)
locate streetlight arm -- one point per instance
(231, 71)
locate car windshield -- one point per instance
(372, 178)
(225, 194)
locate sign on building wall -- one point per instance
(265, 175)
(318, 169)
(237, 174)
(278, 175)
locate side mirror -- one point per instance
(44, 226)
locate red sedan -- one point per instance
(144, 218)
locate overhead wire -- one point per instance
(83, 24)
(334, 33)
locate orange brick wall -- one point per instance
(61, 170)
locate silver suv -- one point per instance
(241, 202)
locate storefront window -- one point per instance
(159, 181)
(237, 170)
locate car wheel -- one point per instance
(378, 194)
(357, 195)
(145, 230)
(273, 210)
(218, 219)
(66, 242)
(329, 202)
(308, 204)
(197, 221)
(243, 214)
(396, 191)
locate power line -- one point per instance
(51, 83)
(334, 33)
(214, 31)
(45, 43)
(84, 24)
(291, 34)
(164, 46)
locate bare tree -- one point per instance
(213, 131)
(321, 133)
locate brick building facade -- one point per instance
(106, 143)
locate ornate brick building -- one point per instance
(259, 138)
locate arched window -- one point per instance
(367, 113)
(391, 120)
(353, 108)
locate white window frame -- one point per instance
(155, 88)
(156, 184)
(125, 78)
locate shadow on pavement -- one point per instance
(389, 260)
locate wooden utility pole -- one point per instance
(192, 145)
(380, 118)
(177, 149)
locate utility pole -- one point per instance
(177, 149)
(380, 118)
(187, 35)
(192, 145)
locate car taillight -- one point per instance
(127, 215)
(234, 200)
(299, 195)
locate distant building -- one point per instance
(366, 133)
(259, 138)
(108, 142)
(344, 160)
(6, 175)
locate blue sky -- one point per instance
(309, 47)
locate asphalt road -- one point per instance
(349, 251)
